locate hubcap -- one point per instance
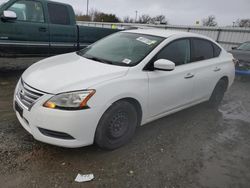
(118, 125)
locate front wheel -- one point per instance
(217, 94)
(117, 126)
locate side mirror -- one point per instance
(233, 48)
(9, 15)
(164, 65)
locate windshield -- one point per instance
(125, 49)
(245, 46)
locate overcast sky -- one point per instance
(181, 12)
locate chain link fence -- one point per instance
(228, 37)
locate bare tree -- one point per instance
(210, 21)
(128, 19)
(243, 22)
(82, 17)
(98, 16)
(103, 17)
(145, 18)
(93, 13)
(160, 19)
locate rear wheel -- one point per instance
(217, 94)
(117, 126)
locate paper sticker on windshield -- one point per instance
(127, 61)
(146, 41)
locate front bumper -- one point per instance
(79, 125)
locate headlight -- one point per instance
(70, 101)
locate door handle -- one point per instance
(217, 69)
(189, 75)
(42, 29)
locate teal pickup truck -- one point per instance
(41, 28)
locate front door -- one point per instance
(169, 90)
(28, 35)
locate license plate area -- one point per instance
(18, 109)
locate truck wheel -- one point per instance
(117, 126)
(217, 94)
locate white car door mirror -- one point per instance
(9, 15)
(164, 64)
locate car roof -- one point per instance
(164, 33)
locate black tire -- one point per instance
(117, 126)
(218, 94)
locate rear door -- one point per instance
(170, 90)
(207, 65)
(62, 28)
(27, 35)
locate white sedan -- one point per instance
(102, 93)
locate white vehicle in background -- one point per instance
(102, 93)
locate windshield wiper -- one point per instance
(103, 60)
(99, 60)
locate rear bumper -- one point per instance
(242, 72)
(243, 67)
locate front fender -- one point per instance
(125, 87)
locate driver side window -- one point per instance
(30, 11)
(177, 52)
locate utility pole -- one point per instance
(136, 12)
(87, 7)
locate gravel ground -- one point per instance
(10, 64)
(193, 148)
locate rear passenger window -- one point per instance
(58, 14)
(202, 50)
(177, 52)
(217, 50)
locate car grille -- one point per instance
(28, 95)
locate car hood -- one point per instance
(69, 72)
(241, 55)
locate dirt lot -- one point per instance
(196, 147)
(10, 64)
